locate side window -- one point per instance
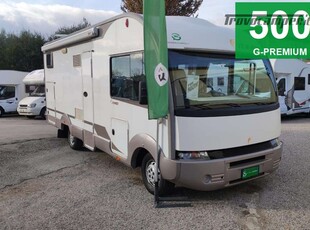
(299, 83)
(30, 88)
(126, 73)
(281, 87)
(7, 92)
(49, 60)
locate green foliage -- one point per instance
(65, 30)
(23, 51)
(173, 7)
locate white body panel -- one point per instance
(35, 77)
(198, 134)
(12, 79)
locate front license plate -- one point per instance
(250, 172)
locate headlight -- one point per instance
(275, 143)
(32, 105)
(193, 155)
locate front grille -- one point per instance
(23, 106)
(232, 152)
(247, 161)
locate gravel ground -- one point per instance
(46, 185)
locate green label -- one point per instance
(272, 30)
(250, 172)
(176, 36)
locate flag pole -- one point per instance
(156, 188)
(156, 71)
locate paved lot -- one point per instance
(46, 185)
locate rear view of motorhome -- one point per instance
(293, 79)
(34, 104)
(224, 118)
(12, 90)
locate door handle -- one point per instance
(85, 94)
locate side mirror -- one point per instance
(142, 93)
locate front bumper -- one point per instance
(216, 174)
(28, 111)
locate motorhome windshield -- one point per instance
(203, 82)
(39, 91)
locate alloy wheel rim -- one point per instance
(71, 139)
(150, 173)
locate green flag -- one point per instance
(156, 57)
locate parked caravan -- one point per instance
(34, 104)
(293, 79)
(95, 92)
(12, 90)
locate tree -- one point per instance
(65, 30)
(21, 52)
(173, 7)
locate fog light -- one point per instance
(207, 179)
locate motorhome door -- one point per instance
(88, 101)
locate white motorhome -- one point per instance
(12, 90)
(34, 104)
(293, 79)
(95, 86)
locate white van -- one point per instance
(34, 104)
(95, 92)
(293, 79)
(12, 90)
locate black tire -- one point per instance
(62, 133)
(42, 113)
(148, 173)
(74, 142)
(1, 112)
(31, 117)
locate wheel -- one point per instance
(74, 142)
(148, 176)
(1, 111)
(42, 113)
(31, 117)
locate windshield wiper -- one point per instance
(259, 103)
(215, 106)
(231, 104)
(201, 106)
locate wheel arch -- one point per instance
(139, 146)
(2, 110)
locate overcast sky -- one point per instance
(46, 16)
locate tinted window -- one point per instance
(126, 73)
(49, 60)
(7, 92)
(281, 87)
(299, 83)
